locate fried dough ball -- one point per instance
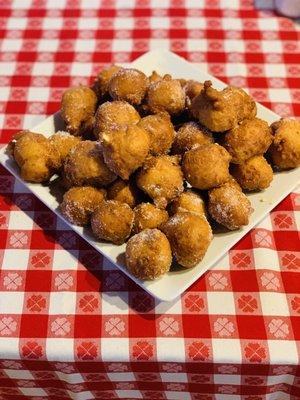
(161, 132)
(154, 77)
(78, 107)
(103, 79)
(125, 192)
(63, 142)
(166, 95)
(147, 216)
(229, 207)
(112, 114)
(252, 137)
(125, 148)
(161, 178)
(233, 183)
(285, 149)
(254, 174)
(221, 110)
(190, 136)
(112, 221)
(168, 77)
(207, 166)
(189, 235)
(36, 170)
(79, 203)
(148, 254)
(182, 81)
(84, 166)
(192, 89)
(35, 156)
(128, 84)
(188, 201)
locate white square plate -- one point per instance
(176, 282)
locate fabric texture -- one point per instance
(72, 326)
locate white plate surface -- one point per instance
(174, 283)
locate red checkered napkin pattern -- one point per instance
(72, 326)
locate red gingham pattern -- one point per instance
(72, 326)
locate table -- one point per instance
(72, 326)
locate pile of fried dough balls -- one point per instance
(156, 160)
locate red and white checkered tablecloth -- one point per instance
(72, 326)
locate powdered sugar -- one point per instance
(193, 198)
(231, 196)
(176, 219)
(73, 208)
(146, 235)
(62, 134)
(149, 254)
(131, 73)
(155, 189)
(224, 210)
(229, 207)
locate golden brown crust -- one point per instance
(182, 81)
(189, 235)
(22, 148)
(220, 111)
(85, 166)
(79, 203)
(147, 216)
(233, 183)
(103, 78)
(192, 89)
(166, 95)
(125, 149)
(229, 207)
(154, 77)
(78, 107)
(161, 178)
(275, 125)
(189, 136)
(112, 221)
(125, 192)
(253, 174)
(250, 138)
(188, 201)
(206, 167)
(148, 254)
(36, 170)
(128, 84)
(62, 142)
(161, 132)
(112, 114)
(35, 156)
(285, 149)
